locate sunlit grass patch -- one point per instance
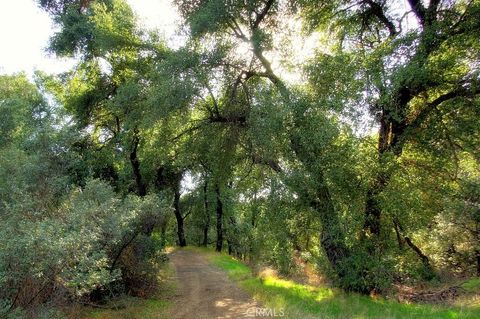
(236, 270)
(304, 301)
(318, 294)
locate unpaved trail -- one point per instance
(205, 292)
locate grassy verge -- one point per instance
(472, 285)
(303, 301)
(127, 307)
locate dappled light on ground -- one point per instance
(206, 292)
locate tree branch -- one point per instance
(378, 11)
(268, 162)
(260, 16)
(189, 130)
(423, 115)
(419, 10)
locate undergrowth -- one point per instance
(305, 301)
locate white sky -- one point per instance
(25, 30)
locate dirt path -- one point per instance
(205, 292)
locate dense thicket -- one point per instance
(361, 159)
(63, 239)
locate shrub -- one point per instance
(92, 240)
(364, 272)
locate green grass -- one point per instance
(472, 285)
(303, 301)
(132, 308)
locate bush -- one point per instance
(364, 272)
(139, 265)
(81, 247)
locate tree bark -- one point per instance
(372, 212)
(178, 215)
(232, 239)
(206, 227)
(169, 179)
(399, 236)
(424, 258)
(219, 211)
(141, 188)
(477, 257)
(332, 237)
(163, 232)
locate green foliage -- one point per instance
(210, 16)
(126, 307)
(24, 111)
(299, 176)
(76, 34)
(274, 234)
(472, 284)
(202, 14)
(98, 28)
(57, 6)
(362, 273)
(75, 248)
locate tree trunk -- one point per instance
(178, 215)
(169, 179)
(476, 236)
(141, 188)
(477, 257)
(232, 237)
(205, 234)
(219, 243)
(206, 227)
(332, 237)
(163, 233)
(424, 258)
(399, 236)
(372, 212)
